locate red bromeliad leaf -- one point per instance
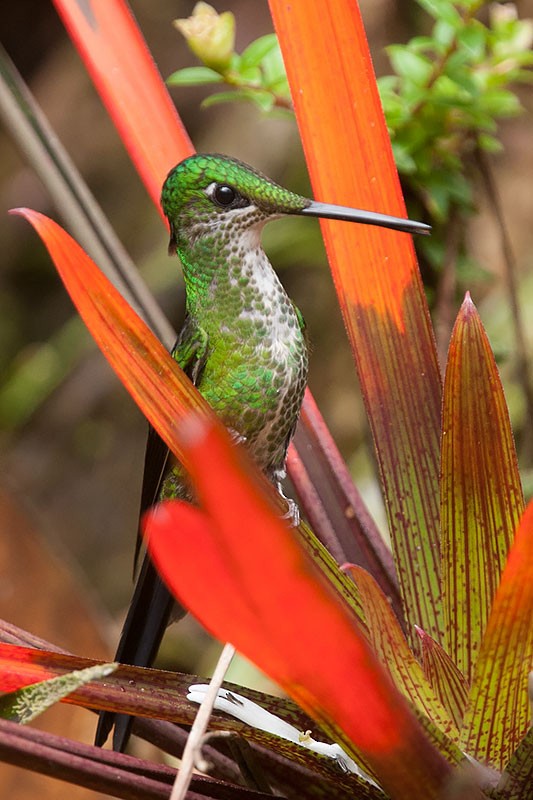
(498, 713)
(390, 645)
(152, 377)
(25, 703)
(350, 162)
(267, 597)
(124, 73)
(448, 682)
(481, 494)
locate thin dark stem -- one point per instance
(509, 260)
(102, 770)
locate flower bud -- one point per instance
(211, 36)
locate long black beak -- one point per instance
(328, 211)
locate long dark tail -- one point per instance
(147, 619)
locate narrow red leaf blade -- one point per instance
(154, 380)
(481, 493)
(350, 162)
(123, 71)
(448, 682)
(499, 714)
(267, 597)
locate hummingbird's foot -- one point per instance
(293, 512)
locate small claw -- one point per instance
(293, 512)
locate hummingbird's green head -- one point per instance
(205, 192)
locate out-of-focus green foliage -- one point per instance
(448, 92)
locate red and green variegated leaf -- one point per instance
(481, 494)
(517, 778)
(24, 704)
(350, 162)
(267, 597)
(390, 645)
(498, 713)
(144, 692)
(123, 71)
(448, 682)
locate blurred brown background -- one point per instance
(71, 446)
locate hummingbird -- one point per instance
(243, 344)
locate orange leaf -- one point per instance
(481, 493)
(380, 292)
(245, 576)
(124, 73)
(150, 374)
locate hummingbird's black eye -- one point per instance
(224, 195)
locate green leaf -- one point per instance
(415, 67)
(500, 103)
(481, 495)
(25, 704)
(473, 37)
(264, 100)
(404, 160)
(444, 34)
(273, 67)
(247, 75)
(258, 49)
(489, 143)
(194, 76)
(441, 10)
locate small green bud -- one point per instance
(211, 36)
